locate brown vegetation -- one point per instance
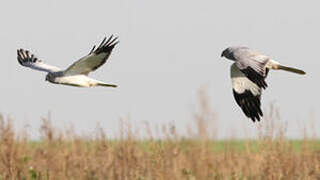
(69, 156)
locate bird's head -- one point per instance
(224, 53)
(228, 53)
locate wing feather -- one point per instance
(255, 77)
(253, 65)
(246, 93)
(96, 58)
(25, 58)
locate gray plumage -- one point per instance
(77, 73)
(248, 74)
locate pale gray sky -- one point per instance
(168, 50)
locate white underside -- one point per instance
(240, 82)
(77, 80)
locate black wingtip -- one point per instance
(106, 46)
(93, 48)
(21, 56)
(250, 104)
(24, 56)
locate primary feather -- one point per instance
(95, 59)
(246, 93)
(25, 58)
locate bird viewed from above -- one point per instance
(77, 73)
(248, 75)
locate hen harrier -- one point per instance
(248, 75)
(77, 73)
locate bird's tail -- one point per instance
(272, 64)
(291, 69)
(107, 85)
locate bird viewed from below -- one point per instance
(77, 73)
(248, 74)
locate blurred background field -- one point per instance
(145, 154)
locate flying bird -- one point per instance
(248, 74)
(77, 73)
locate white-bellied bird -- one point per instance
(248, 74)
(77, 73)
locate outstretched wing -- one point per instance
(253, 65)
(246, 93)
(25, 58)
(96, 58)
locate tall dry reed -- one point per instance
(66, 155)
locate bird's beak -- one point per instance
(221, 55)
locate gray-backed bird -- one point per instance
(248, 74)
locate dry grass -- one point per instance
(65, 155)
